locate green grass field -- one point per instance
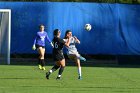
(29, 79)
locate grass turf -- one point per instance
(29, 79)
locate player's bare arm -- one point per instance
(76, 39)
(67, 42)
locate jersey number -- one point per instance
(56, 45)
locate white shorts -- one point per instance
(74, 53)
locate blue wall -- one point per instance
(115, 27)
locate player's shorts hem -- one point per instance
(58, 59)
(37, 46)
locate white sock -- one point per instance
(50, 71)
(59, 75)
(79, 71)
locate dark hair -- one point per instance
(67, 33)
(55, 32)
(41, 25)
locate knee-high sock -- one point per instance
(39, 61)
(82, 58)
(54, 68)
(42, 62)
(60, 71)
(79, 71)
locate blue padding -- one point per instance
(115, 27)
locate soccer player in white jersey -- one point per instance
(72, 51)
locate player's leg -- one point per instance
(41, 52)
(79, 68)
(82, 58)
(61, 69)
(54, 68)
(77, 61)
(42, 58)
(39, 63)
(39, 59)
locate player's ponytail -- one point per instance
(67, 33)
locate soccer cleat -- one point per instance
(47, 75)
(39, 66)
(80, 77)
(58, 78)
(43, 68)
(82, 58)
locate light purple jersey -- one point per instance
(41, 38)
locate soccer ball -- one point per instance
(88, 27)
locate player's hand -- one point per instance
(68, 37)
(33, 47)
(75, 37)
(52, 44)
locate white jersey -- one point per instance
(72, 48)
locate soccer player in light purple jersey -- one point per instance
(39, 44)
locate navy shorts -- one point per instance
(58, 57)
(37, 46)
